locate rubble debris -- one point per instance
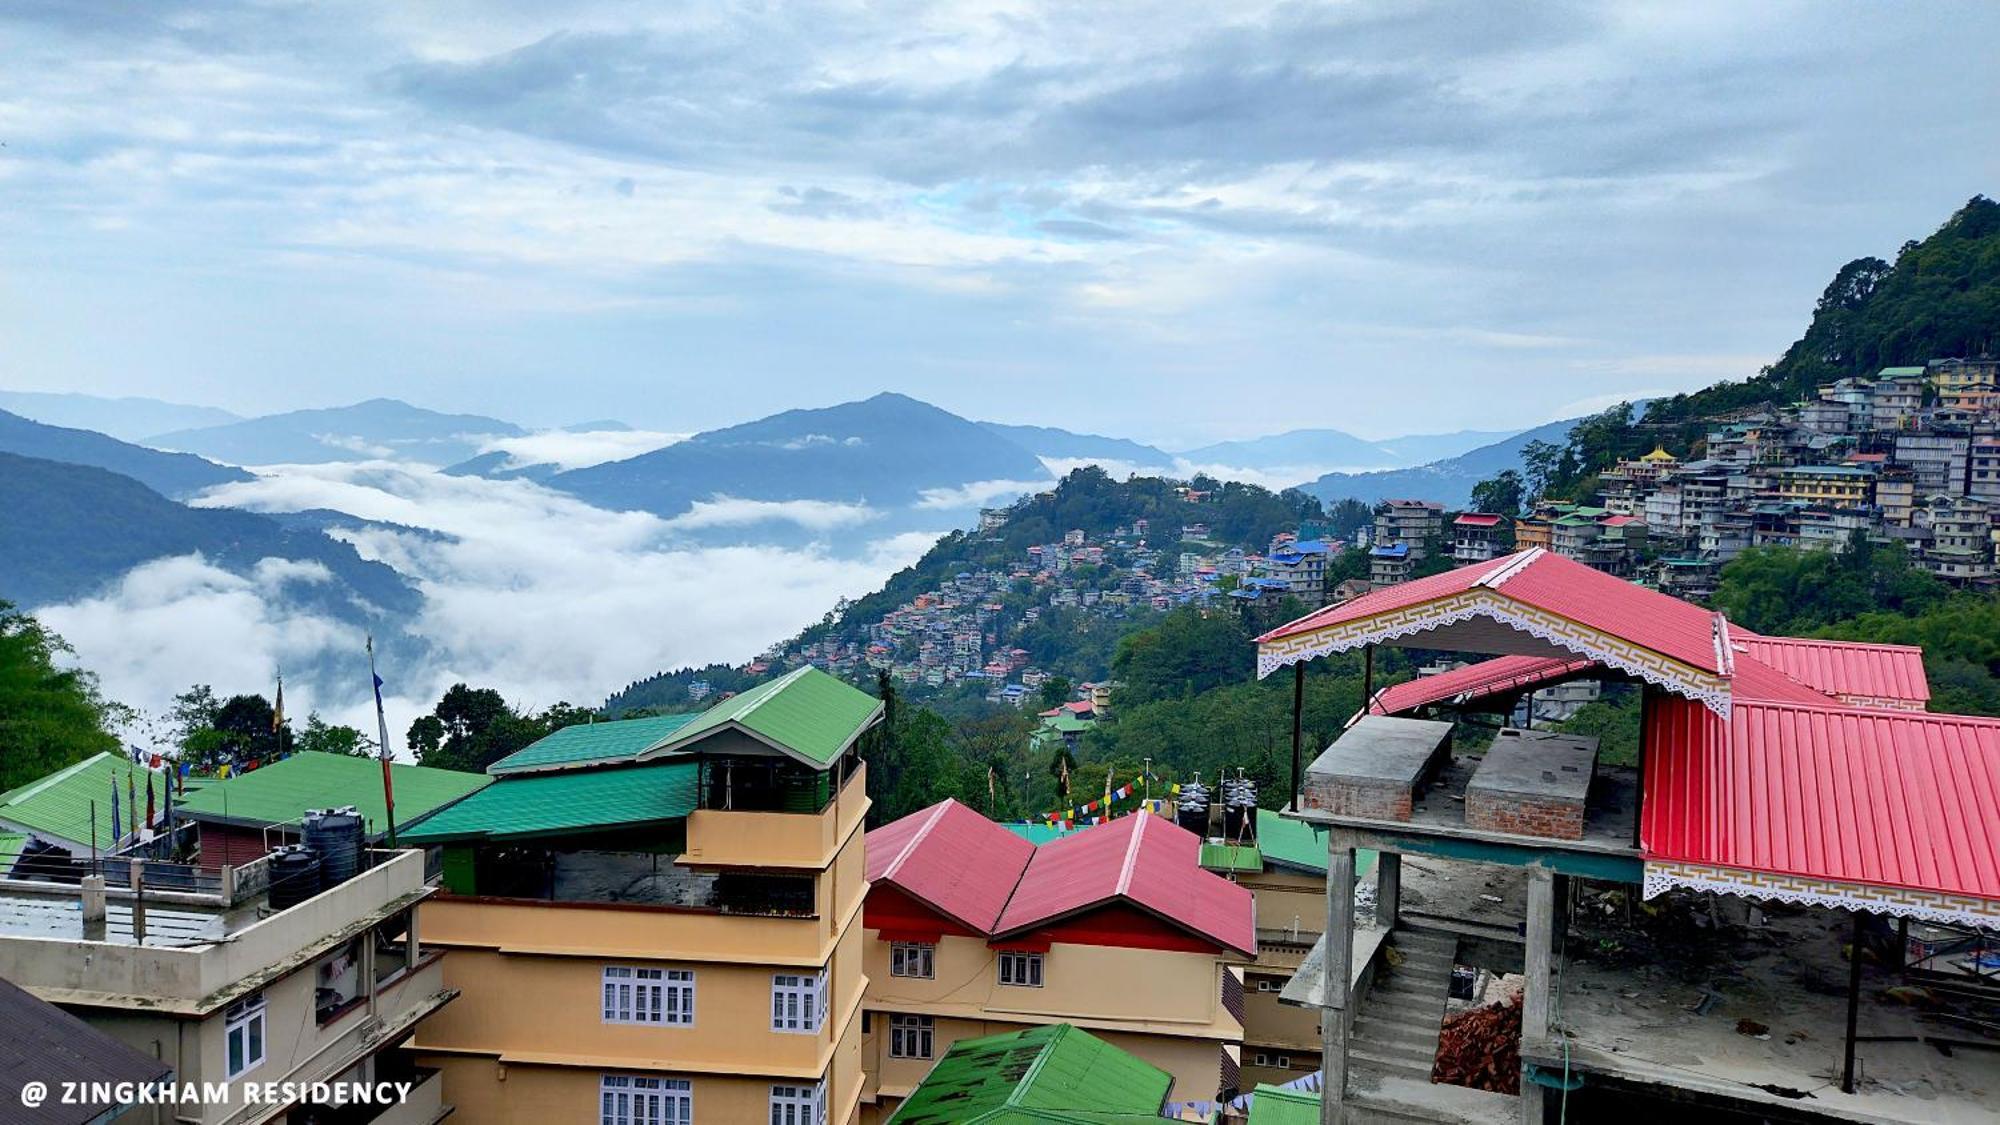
(1481, 1048)
(1752, 1028)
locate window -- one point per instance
(798, 1105)
(912, 959)
(1263, 1059)
(798, 1002)
(1024, 969)
(910, 1037)
(634, 1099)
(243, 1029)
(664, 996)
(1285, 1062)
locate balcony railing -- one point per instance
(633, 879)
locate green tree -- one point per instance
(1184, 654)
(1500, 495)
(50, 716)
(322, 737)
(1056, 691)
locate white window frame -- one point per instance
(633, 994)
(248, 1018)
(644, 1099)
(798, 1105)
(917, 959)
(1020, 970)
(798, 1003)
(912, 1037)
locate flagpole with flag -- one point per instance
(278, 716)
(382, 730)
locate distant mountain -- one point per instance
(170, 474)
(894, 454)
(130, 419)
(1062, 445)
(499, 465)
(67, 530)
(1315, 451)
(381, 428)
(1448, 481)
(599, 426)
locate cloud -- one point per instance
(730, 511)
(978, 494)
(528, 591)
(576, 449)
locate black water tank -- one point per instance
(1192, 813)
(294, 876)
(336, 834)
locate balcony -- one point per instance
(762, 837)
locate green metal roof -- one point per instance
(11, 844)
(58, 806)
(1051, 1073)
(806, 713)
(570, 801)
(1231, 857)
(1291, 843)
(1038, 834)
(1275, 1105)
(588, 744)
(1066, 723)
(1895, 371)
(280, 792)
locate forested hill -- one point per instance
(1941, 297)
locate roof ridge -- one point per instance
(776, 687)
(1725, 654)
(1131, 856)
(1830, 642)
(923, 830)
(35, 787)
(1508, 568)
(1034, 1068)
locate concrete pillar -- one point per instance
(1388, 887)
(1535, 999)
(410, 953)
(1334, 1019)
(137, 881)
(93, 908)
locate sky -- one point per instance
(1173, 222)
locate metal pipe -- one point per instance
(1298, 727)
(1853, 1005)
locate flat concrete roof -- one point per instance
(1382, 748)
(1536, 764)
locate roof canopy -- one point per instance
(567, 802)
(1534, 603)
(1056, 1073)
(804, 714)
(592, 744)
(57, 808)
(280, 792)
(48, 1045)
(951, 859)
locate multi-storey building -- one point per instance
(1390, 563)
(972, 931)
(1826, 484)
(1302, 567)
(1477, 536)
(1417, 523)
(1961, 542)
(1896, 496)
(240, 978)
(1983, 466)
(1965, 384)
(1936, 459)
(657, 920)
(1896, 397)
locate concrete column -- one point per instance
(1388, 887)
(1334, 1019)
(1535, 999)
(93, 907)
(410, 952)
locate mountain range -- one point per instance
(169, 474)
(377, 428)
(1448, 481)
(129, 419)
(1323, 449)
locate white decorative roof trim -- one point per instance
(1901, 902)
(1509, 569)
(1560, 632)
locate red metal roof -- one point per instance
(1549, 582)
(951, 859)
(1147, 861)
(1498, 676)
(1850, 670)
(1889, 798)
(1477, 519)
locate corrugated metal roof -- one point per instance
(280, 792)
(544, 804)
(1147, 861)
(59, 806)
(1501, 675)
(1056, 1072)
(1276, 1105)
(1848, 669)
(585, 744)
(48, 1045)
(952, 859)
(805, 712)
(1230, 858)
(1890, 798)
(1291, 843)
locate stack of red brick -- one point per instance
(1481, 1048)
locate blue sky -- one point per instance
(1175, 222)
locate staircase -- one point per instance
(1396, 1021)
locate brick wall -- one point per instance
(1548, 817)
(1368, 800)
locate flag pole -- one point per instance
(382, 730)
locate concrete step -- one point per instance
(1402, 993)
(1410, 1054)
(1363, 1061)
(1413, 1033)
(1395, 1099)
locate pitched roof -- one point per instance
(1477, 519)
(592, 744)
(1055, 1072)
(804, 713)
(48, 1045)
(1888, 798)
(281, 791)
(569, 801)
(1499, 676)
(1230, 858)
(951, 859)
(1850, 670)
(1279, 1105)
(1291, 843)
(1144, 860)
(58, 806)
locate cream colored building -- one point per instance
(657, 920)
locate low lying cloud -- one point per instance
(729, 511)
(570, 449)
(529, 591)
(978, 494)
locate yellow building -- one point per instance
(657, 920)
(1835, 485)
(974, 931)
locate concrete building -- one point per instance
(1936, 458)
(1389, 563)
(1418, 524)
(1826, 484)
(226, 979)
(971, 930)
(1477, 536)
(1961, 541)
(662, 915)
(246, 815)
(1302, 567)
(1896, 397)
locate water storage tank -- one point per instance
(294, 876)
(1192, 813)
(336, 834)
(1239, 810)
